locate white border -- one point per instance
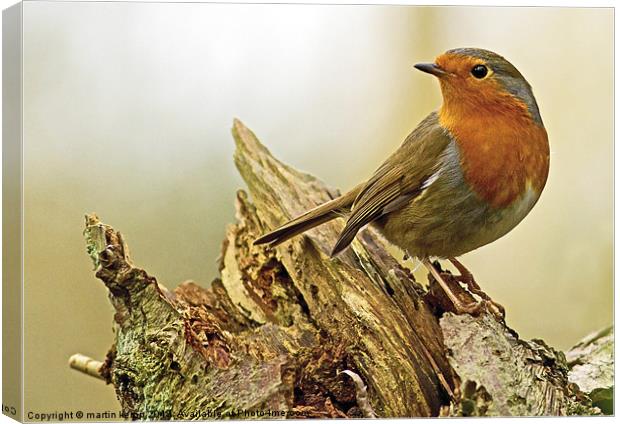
(543, 3)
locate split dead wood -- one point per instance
(289, 332)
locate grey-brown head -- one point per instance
(478, 75)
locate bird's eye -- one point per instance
(479, 71)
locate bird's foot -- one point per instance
(473, 308)
(461, 301)
(467, 278)
(487, 304)
(477, 308)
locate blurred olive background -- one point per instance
(128, 109)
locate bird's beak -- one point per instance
(430, 68)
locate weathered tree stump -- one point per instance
(289, 332)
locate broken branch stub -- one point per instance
(289, 332)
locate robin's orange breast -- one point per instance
(450, 218)
(503, 151)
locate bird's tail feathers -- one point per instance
(321, 214)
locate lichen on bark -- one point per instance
(288, 332)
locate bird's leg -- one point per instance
(460, 307)
(468, 279)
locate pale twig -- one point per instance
(83, 363)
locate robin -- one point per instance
(466, 176)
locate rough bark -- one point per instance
(289, 332)
(591, 363)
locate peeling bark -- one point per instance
(504, 376)
(289, 332)
(591, 364)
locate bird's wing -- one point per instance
(402, 177)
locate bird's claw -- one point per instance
(459, 306)
(477, 308)
(473, 308)
(498, 310)
(468, 279)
